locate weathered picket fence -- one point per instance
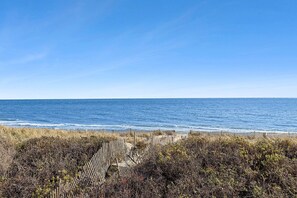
(94, 171)
(166, 139)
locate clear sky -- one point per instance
(148, 48)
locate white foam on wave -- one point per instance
(178, 128)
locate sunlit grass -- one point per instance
(18, 135)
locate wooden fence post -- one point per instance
(134, 139)
(118, 167)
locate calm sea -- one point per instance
(236, 115)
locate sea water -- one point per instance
(235, 115)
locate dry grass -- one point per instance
(11, 137)
(7, 152)
(249, 137)
(204, 165)
(18, 135)
(40, 163)
(45, 144)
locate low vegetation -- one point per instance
(35, 160)
(204, 165)
(6, 153)
(19, 135)
(40, 163)
(213, 166)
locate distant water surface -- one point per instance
(236, 115)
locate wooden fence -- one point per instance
(94, 171)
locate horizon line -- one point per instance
(144, 98)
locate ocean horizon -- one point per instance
(179, 114)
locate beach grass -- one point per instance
(203, 165)
(18, 135)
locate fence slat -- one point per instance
(95, 169)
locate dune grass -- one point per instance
(204, 165)
(18, 135)
(33, 158)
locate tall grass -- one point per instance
(18, 135)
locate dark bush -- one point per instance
(213, 167)
(40, 163)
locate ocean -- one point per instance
(234, 115)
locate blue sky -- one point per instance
(147, 49)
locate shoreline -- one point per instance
(146, 130)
